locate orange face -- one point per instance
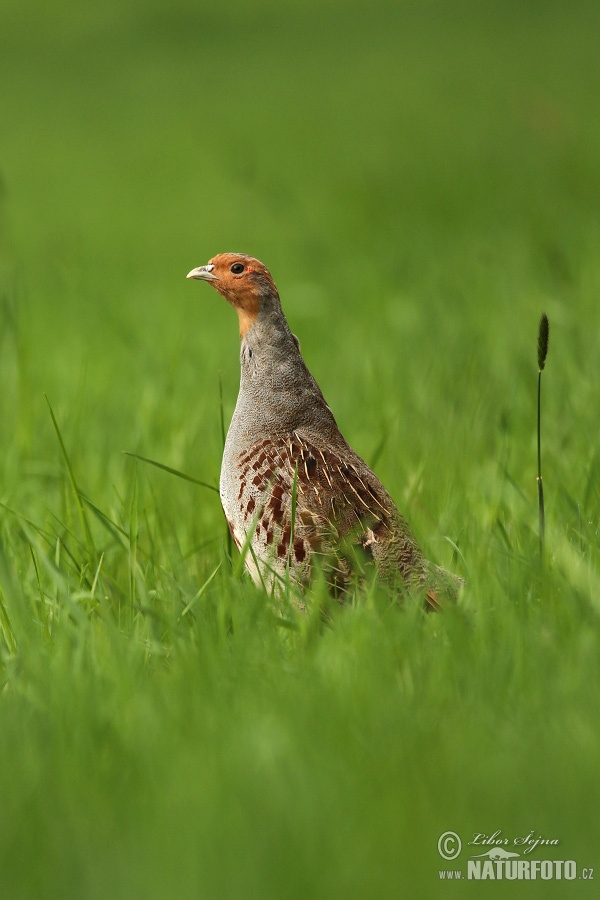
(242, 280)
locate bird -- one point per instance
(295, 495)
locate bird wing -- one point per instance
(324, 504)
(344, 512)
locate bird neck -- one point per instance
(270, 355)
(277, 392)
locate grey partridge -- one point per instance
(294, 493)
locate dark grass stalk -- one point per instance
(542, 352)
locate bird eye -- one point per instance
(237, 268)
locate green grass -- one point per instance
(423, 181)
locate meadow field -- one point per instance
(423, 181)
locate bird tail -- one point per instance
(447, 588)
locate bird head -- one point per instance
(244, 282)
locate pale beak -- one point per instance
(203, 273)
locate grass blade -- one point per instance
(76, 492)
(133, 538)
(199, 593)
(171, 471)
(228, 537)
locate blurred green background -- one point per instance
(422, 179)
